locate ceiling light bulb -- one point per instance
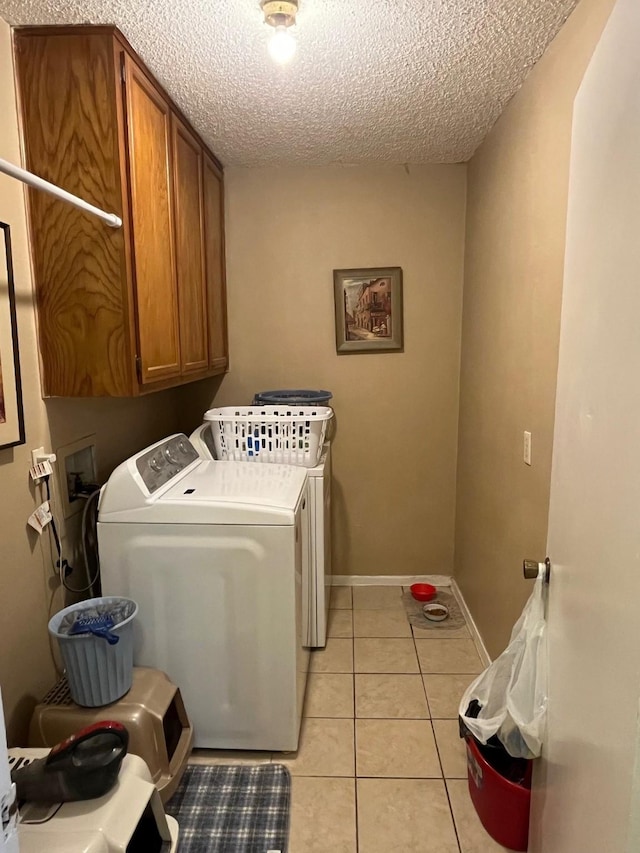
(282, 45)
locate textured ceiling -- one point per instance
(373, 81)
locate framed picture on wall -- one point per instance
(11, 414)
(368, 306)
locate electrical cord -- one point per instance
(62, 565)
(52, 645)
(53, 521)
(89, 535)
(94, 578)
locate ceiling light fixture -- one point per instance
(281, 15)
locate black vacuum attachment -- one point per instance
(84, 766)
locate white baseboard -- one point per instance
(389, 580)
(475, 634)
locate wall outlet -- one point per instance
(41, 464)
(527, 447)
(77, 471)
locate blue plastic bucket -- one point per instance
(98, 673)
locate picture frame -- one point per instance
(11, 410)
(368, 306)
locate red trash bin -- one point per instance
(502, 806)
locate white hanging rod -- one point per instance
(40, 184)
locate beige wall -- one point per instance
(395, 443)
(28, 589)
(516, 217)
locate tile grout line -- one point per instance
(446, 789)
(435, 741)
(355, 748)
(455, 825)
(453, 819)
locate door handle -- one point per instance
(532, 568)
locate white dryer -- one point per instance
(213, 554)
(317, 583)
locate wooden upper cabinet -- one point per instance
(215, 264)
(149, 151)
(140, 308)
(187, 161)
(68, 91)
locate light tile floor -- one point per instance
(380, 765)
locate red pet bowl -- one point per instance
(423, 591)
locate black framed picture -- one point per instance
(11, 411)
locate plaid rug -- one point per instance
(232, 809)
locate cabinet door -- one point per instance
(68, 86)
(215, 266)
(149, 150)
(189, 230)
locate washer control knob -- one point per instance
(172, 453)
(156, 463)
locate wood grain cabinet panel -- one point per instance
(122, 311)
(68, 98)
(149, 142)
(187, 160)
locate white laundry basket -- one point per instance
(98, 673)
(285, 434)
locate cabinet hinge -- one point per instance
(139, 368)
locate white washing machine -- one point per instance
(212, 553)
(317, 584)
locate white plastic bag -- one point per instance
(512, 691)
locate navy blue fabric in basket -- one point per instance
(232, 809)
(292, 397)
